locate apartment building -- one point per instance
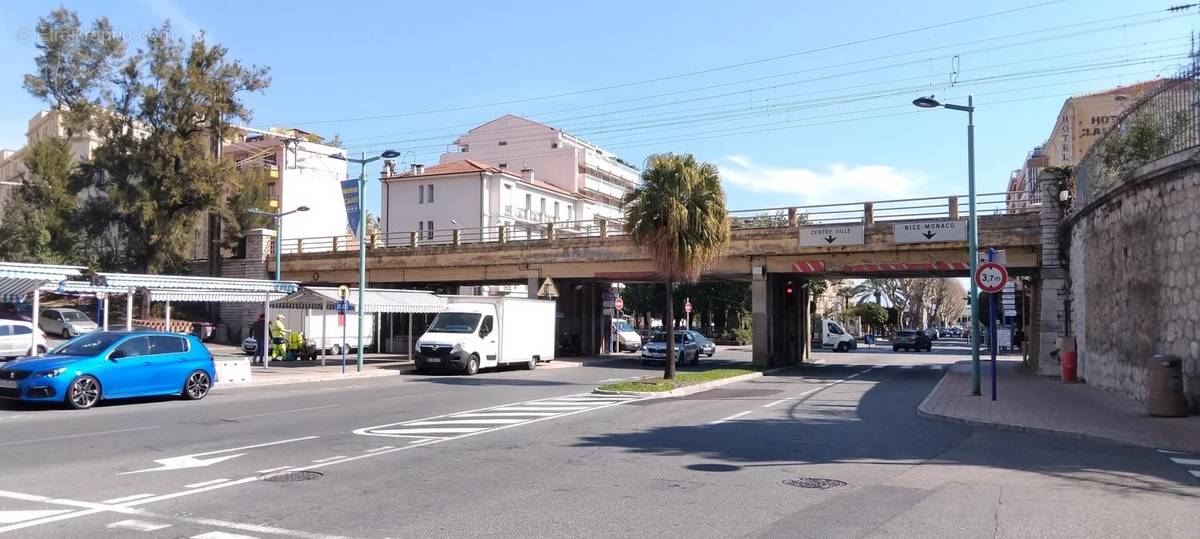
(44, 124)
(512, 143)
(473, 197)
(1023, 194)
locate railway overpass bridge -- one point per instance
(773, 248)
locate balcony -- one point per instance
(603, 187)
(527, 215)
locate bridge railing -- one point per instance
(947, 207)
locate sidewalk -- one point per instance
(1031, 403)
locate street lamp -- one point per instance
(362, 242)
(278, 217)
(972, 229)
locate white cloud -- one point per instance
(837, 182)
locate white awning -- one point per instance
(220, 296)
(182, 282)
(375, 300)
(18, 280)
(81, 287)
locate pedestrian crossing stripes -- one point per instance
(504, 416)
(1190, 462)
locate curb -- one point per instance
(923, 411)
(309, 379)
(695, 388)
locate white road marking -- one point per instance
(127, 498)
(384, 448)
(540, 409)
(1171, 452)
(507, 414)
(279, 469)
(442, 430)
(137, 525)
(222, 535)
(206, 483)
(69, 503)
(80, 435)
(496, 421)
(294, 410)
(327, 459)
(1194, 472)
(730, 418)
(1186, 462)
(48, 520)
(881, 366)
(253, 528)
(191, 461)
(768, 405)
(423, 440)
(12, 517)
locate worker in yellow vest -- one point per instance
(278, 338)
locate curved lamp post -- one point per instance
(278, 217)
(972, 229)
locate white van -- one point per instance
(628, 339)
(830, 334)
(479, 332)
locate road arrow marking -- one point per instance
(929, 234)
(191, 461)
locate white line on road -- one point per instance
(541, 409)
(374, 449)
(327, 459)
(508, 421)
(269, 470)
(222, 535)
(13, 517)
(730, 418)
(127, 498)
(80, 435)
(780, 401)
(1186, 462)
(882, 366)
(507, 414)
(1171, 452)
(137, 525)
(203, 484)
(294, 410)
(255, 446)
(445, 430)
(1194, 472)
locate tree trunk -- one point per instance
(669, 326)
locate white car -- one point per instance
(65, 322)
(249, 345)
(15, 339)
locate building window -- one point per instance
(420, 194)
(570, 212)
(504, 143)
(430, 192)
(465, 149)
(542, 206)
(420, 229)
(271, 190)
(528, 201)
(553, 145)
(556, 210)
(429, 229)
(503, 166)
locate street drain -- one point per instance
(288, 477)
(814, 482)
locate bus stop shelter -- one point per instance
(377, 301)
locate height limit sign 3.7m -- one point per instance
(990, 277)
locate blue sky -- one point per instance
(810, 117)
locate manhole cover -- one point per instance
(814, 482)
(287, 477)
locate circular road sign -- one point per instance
(990, 277)
(618, 303)
(687, 306)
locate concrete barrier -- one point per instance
(233, 371)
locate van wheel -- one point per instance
(531, 364)
(843, 347)
(472, 367)
(335, 350)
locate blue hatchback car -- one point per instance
(112, 365)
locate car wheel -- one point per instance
(83, 393)
(197, 385)
(472, 367)
(531, 364)
(66, 333)
(696, 358)
(40, 351)
(895, 348)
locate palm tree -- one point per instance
(678, 215)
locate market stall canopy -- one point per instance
(375, 300)
(180, 283)
(223, 296)
(18, 280)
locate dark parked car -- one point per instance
(908, 339)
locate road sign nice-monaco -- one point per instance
(990, 277)
(825, 235)
(931, 231)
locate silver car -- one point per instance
(686, 348)
(66, 323)
(707, 347)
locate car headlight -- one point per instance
(456, 348)
(51, 373)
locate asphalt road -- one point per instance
(532, 454)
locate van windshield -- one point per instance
(455, 323)
(622, 325)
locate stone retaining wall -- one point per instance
(1133, 269)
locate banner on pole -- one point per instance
(351, 197)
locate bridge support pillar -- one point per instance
(760, 322)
